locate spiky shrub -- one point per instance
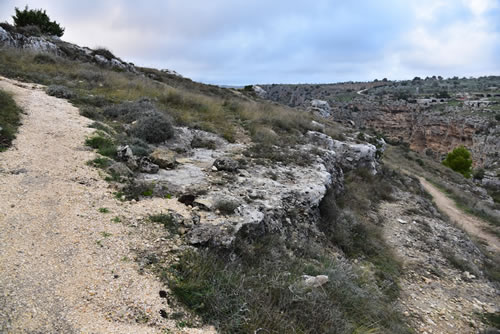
(38, 18)
(154, 128)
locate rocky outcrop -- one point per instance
(54, 45)
(322, 108)
(37, 44)
(349, 155)
(236, 197)
(259, 91)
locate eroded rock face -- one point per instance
(430, 132)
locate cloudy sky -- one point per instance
(288, 41)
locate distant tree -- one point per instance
(460, 161)
(417, 79)
(37, 18)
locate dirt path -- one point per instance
(472, 225)
(436, 295)
(64, 265)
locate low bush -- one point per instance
(226, 205)
(100, 162)
(104, 145)
(154, 128)
(138, 146)
(130, 111)
(60, 91)
(30, 30)
(9, 119)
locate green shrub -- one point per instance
(9, 120)
(460, 161)
(104, 145)
(38, 18)
(138, 146)
(100, 162)
(154, 128)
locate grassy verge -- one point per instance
(9, 120)
(245, 296)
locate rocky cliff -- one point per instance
(430, 132)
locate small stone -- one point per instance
(214, 169)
